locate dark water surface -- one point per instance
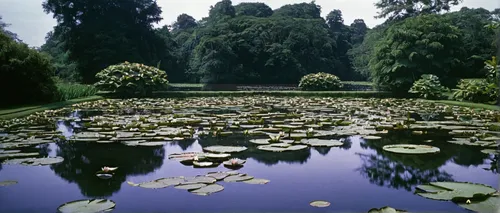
(354, 178)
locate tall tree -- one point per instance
(358, 31)
(184, 21)
(222, 10)
(253, 9)
(302, 10)
(401, 9)
(55, 47)
(341, 34)
(102, 33)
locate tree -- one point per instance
(302, 10)
(253, 9)
(55, 47)
(427, 44)
(102, 33)
(184, 21)
(222, 10)
(6, 32)
(341, 35)
(401, 9)
(358, 31)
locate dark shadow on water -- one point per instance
(83, 160)
(184, 145)
(402, 171)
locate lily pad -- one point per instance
(272, 148)
(320, 203)
(217, 156)
(372, 137)
(238, 178)
(321, 143)
(160, 183)
(490, 205)
(260, 141)
(225, 149)
(201, 179)
(256, 181)
(7, 183)
(386, 209)
(17, 155)
(456, 191)
(190, 186)
(410, 149)
(104, 176)
(490, 151)
(203, 164)
(34, 161)
(207, 190)
(87, 206)
(218, 175)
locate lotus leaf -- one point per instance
(219, 175)
(410, 149)
(256, 181)
(238, 178)
(190, 186)
(225, 149)
(319, 204)
(320, 142)
(34, 161)
(386, 209)
(87, 206)
(7, 183)
(457, 191)
(207, 190)
(490, 205)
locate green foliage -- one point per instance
(253, 9)
(428, 87)
(101, 33)
(493, 68)
(476, 90)
(302, 10)
(360, 55)
(131, 79)
(59, 57)
(320, 82)
(68, 91)
(401, 9)
(26, 74)
(427, 44)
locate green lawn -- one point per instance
(27, 110)
(469, 104)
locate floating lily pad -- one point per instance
(410, 149)
(7, 183)
(203, 164)
(104, 176)
(272, 148)
(217, 156)
(17, 155)
(190, 186)
(218, 175)
(201, 179)
(490, 205)
(260, 141)
(490, 151)
(256, 181)
(372, 137)
(160, 183)
(455, 191)
(320, 204)
(386, 209)
(225, 149)
(34, 161)
(87, 206)
(207, 190)
(238, 178)
(321, 143)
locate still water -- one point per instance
(354, 178)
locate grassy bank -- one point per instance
(468, 104)
(10, 113)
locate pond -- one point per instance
(287, 152)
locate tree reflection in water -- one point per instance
(83, 160)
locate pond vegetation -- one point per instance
(104, 144)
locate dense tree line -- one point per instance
(251, 43)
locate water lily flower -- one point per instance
(468, 202)
(310, 130)
(195, 158)
(282, 134)
(108, 169)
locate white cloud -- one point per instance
(32, 24)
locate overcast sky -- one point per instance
(31, 23)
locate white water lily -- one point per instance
(108, 169)
(282, 134)
(310, 130)
(195, 158)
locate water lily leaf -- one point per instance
(260, 141)
(217, 156)
(17, 155)
(271, 148)
(490, 205)
(321, 143)
(207, 190)
(8, 183)
(171, 181)
(190, 186)
(34, 161)
(456, 191)
(225, 149)
(203, 164)
(9, 151)
(372, 137)
(87, 206)
(256, 181)
(410, 149)
(238, 178)
(160, 183)
(201, 179)
(386, 209)
(320, 203)
(490, 151)
(104, 176)
(218, 175)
